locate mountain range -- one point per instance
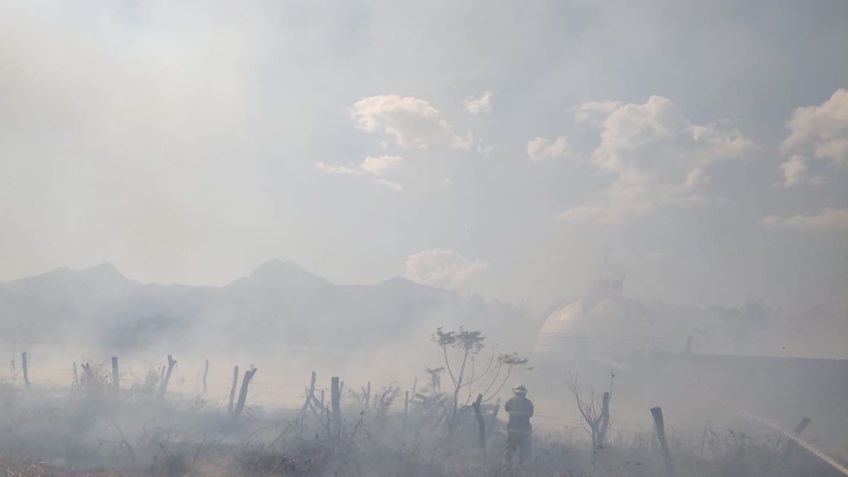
(278, 304)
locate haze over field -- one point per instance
(493, 149)
(636, 203)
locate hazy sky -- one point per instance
(492, 147)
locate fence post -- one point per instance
(115, 379)
(310, 395)
(605, 419)
(335, 400)
(25, 366)
(792, 445)
(248, 375)
(405, 409)
(170, 369)
(233, 389)
(205, 373)
(659, 425)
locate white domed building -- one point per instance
(604, 324)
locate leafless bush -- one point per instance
(595, 411)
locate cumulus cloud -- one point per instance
(462, 142)
(394, 186)
(539, 149)
(371, 166)
(379, 165)
(593, 113)
(441, 268)
(828, 218)
(480, 105)
(795, 171)
(337, 170)
(822, 130)
(656, 156)
(412, 123)
(817, 132)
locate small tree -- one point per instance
(595, 411)
(460, 349)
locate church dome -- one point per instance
(592, 326)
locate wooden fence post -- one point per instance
(164, 386)
(205, 373)
(115, 379)
(310, 394)
(792, 445)
(659, 425)
(335, 401)
(25, 366)
(604, 424)
(405, 409)
(233, 389)
(248, 375)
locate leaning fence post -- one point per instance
(25, 367)
(164, 386)
(233, 389)
(310, 394)
(792, 445)
(115, 379)
(659, 425)
(248, 375)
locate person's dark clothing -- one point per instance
(518, 441)
(520, 410)
(519, 430)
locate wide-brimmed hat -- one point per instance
(520, 389)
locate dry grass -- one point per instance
(94, 431)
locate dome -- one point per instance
(599, 326)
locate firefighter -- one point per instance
(519, 430)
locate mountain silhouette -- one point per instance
(278, 303)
